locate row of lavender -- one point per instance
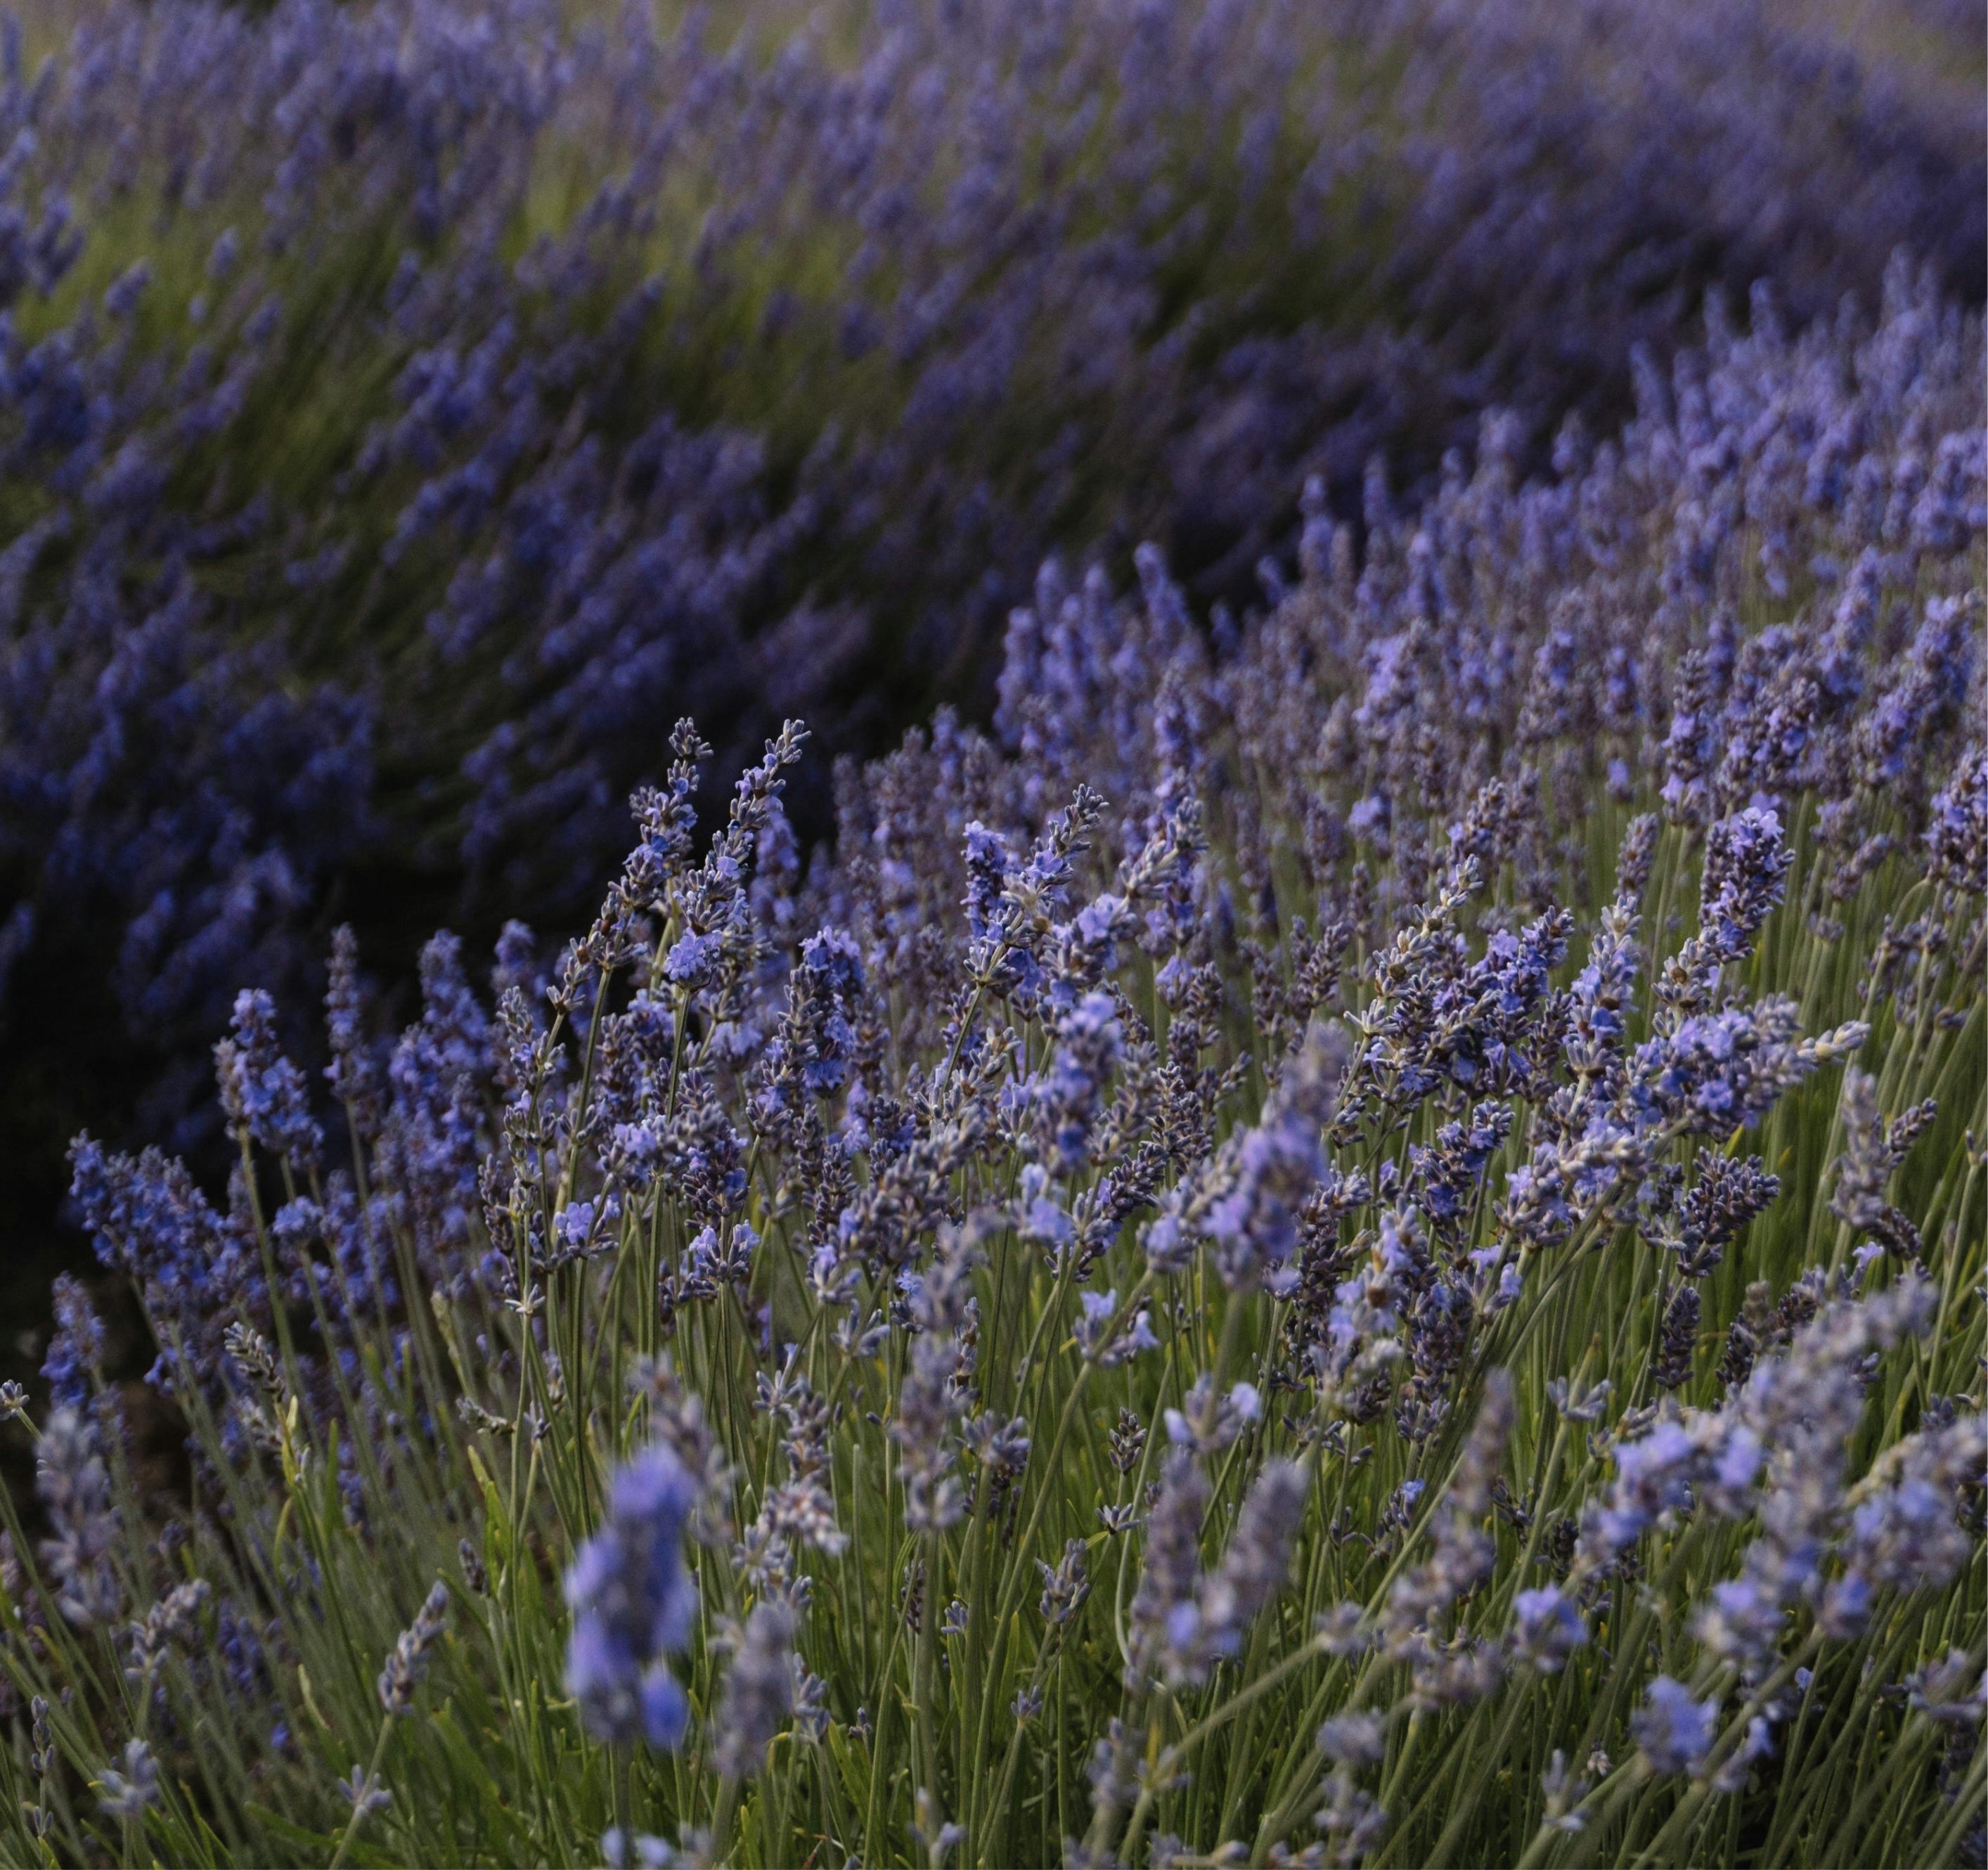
(404, 406)
(1358, 1242)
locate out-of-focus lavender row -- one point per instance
(406, 408)
(1584, 630)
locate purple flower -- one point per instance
(691, 960)
(261, 1092)
(408, 1663)
(129, 1793)
(1957, 839)
(1547, 1629)
(1260, 1179)
(75, 1346)
(1253, 1568)
(74, 1486)
(758, 1696)
(1746, 861)
(1674, 1732)
(634, 1605)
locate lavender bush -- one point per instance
(1355, 1239)
(402, 406)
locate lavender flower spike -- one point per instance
(408, 1662)
(633, 1604)
(1675, 1732)
(261, 1092)
(1254, 1567)
(131, 1793)
(75, 1487)
(758, 1693)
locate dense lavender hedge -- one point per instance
(1358, 1239)
(405, 410)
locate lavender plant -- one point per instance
(402, 405)
(1355, 1240)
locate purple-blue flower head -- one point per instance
(689, 962)
(1546, 1628)
(1674, 1731)
(1746, 861)
(261, 1092)
(634, 1604)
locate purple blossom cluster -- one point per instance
(633, 1606)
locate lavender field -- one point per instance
(964, 934)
